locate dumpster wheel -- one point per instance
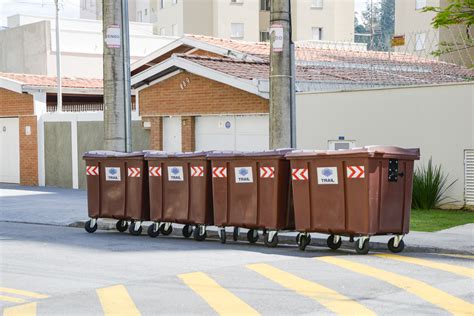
(91, 226)
(121, 225)
(166, 229)
(153, 230)
(395, 249)
(252, 236)
(135, 229)
(235, 234)
(362, 246)
(273, 242)
(334, 242)
(187, 231)
(222, 236)
(303, 240)
(200, 233)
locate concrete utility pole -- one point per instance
(59, 93)
(117, 100)
(280, 75)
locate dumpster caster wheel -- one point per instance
(121, 225)
(398, 248)
(273, 242)
(200, 233)
(334, 242)
(235, 234)
(303, 241)
(222, 236)
(135, 229)
(187, 231)
(166, 229)
(362, 246)
(298, 238)
(89, 227)
(153, 230)
(252, 236)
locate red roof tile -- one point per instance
(49, 81)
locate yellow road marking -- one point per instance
(330, 299)
(459, 270)
(21, 310)
(115, 300)
(426, 292)
(11, 299)
(23, 293)
(220, 299)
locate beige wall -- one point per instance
(336, 18)
(169, 15)
(198, 17)
(246, 12)
(438, 119)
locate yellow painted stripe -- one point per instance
(21, 310)
(22, 293)
(220, 299)
(11, 299)
(459, 270)
(330, 299)
(426, 292)
(115, 300)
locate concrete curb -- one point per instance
(290, 240)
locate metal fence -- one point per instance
(80, 107)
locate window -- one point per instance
(162, 31)
(317, 4)
(139, 16)
(420, 41)
(84, 4)
(162, 4)
(264, 36)
(420, 4)
(236, 1)
(265, 5)
(174, 2)
(317, 33)
(236, 30)
(146, 12)
(174, 29)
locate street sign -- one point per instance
(276, 30)
(398, 40)
(112, 36)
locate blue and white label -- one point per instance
(327, 175)
(243, 175)
(175, 173)
(112, 174)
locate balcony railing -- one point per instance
(80, 107)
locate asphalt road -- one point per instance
(51, 270)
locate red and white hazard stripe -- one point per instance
(133, 172)
(219, 172)
(355, 172)
(92, 170)
(267, 172)
(154, 171)
(299, 174)
(197, 171)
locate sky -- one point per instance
(70, 8)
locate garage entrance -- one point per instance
(9, 150)
(233, 132)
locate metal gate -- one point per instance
(469, 176)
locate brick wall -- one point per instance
(156, 132)
(188, 136)
(199, 96)
(15, 104)
(21, 105)
(28, 151)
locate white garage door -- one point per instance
(242, 132)
(9, 150)
(172, 134)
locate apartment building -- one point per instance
(92, 9)
(249, 20)
(422, 39)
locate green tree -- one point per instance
(377, 19)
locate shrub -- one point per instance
(430, 184)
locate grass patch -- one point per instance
(434, 220)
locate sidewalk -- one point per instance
(67, 207)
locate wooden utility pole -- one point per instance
(117, 100)
(280, 75)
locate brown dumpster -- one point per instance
(251, 190)
(180, 192)
(360, 192)
(117, 187)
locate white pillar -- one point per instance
(39, 103)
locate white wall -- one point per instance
(437, 119)
(246, 12)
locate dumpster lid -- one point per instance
(158, 154)
(111, 154)
(392, 151)
(264, 153)
(193, 154)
